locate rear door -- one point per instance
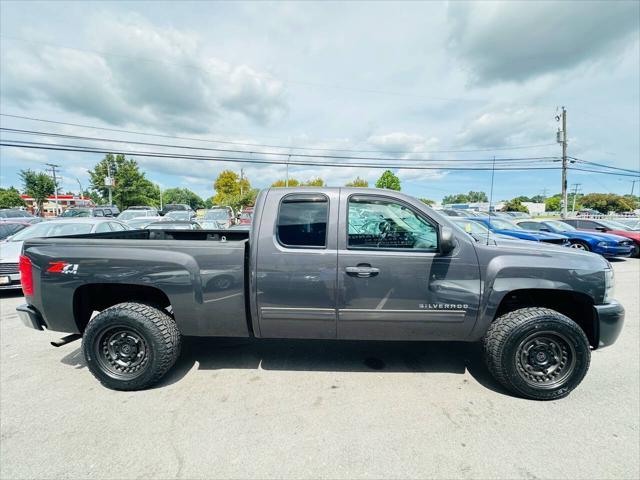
(296, 264)
(393, 282)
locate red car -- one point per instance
(245, 216)
(608, 226)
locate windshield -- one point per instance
(560, 226)
(178, 215)
(216, 215)
(52, 229)
(172, 226)
(502, 224)
(129, 214)
(76, 212)
(631, 223)
(614, 225)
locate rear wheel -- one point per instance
(636, 251)
(580, 245)
(537, 353)
(130, 346)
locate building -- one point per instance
(64, 202)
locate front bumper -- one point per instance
(609, 319)
(614, 250)
(30, 317)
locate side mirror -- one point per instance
(447, 240)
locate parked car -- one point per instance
(11, 247)
(518, 214)
(455, 212)
(174, 225)
(217, 218)
(142, 222)
(245, 216)
(632, 223)
(478, 230)
(17, 215)
(330, 263)
(132, 213)
(142, 207)
(507, 227)
(607, 226)
(181, 215)
(170, 207)
(603, 243)
(11, 227)
(83, 212)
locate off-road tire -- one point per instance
(150, 327)
(504, 352)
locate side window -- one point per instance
(302, 221)
(116, 227)
(98, 213)
(586, 224)
(103, 227)
(531, 225)
(384, 224)
(108, 212)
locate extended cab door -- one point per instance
(296, 261)
(394, 282)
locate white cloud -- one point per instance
(149, 76)
(516, 41)
(401, 144)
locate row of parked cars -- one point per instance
(16, 226)
(609, 238)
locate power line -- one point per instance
(603, 165)
(224, 150)
(76, 148)
(287, 147)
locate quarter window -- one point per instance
(302, 221)
(384, 224)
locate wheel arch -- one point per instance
(575, 305)
(99, 296)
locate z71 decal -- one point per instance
(62, 267)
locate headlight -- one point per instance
(602, 244)
(609, 284)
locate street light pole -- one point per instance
(565, 198)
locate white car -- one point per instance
(11, 248)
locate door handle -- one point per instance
(362, 271)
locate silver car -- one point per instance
(11, 247)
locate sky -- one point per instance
(410, 83)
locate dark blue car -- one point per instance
(506, 227)
(605, 244)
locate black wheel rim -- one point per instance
(545, 359)
(122, 352)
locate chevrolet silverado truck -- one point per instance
(324, 263)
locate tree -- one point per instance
(283, 183)
(553, 204)
(514, 205)
(357, 182)
(227, 183)
(10, 197)
(465, 198)
(427, 201)
(537, 199)
(607, 202)
(389, 181)
(131, 185)
(314, 182)
(183, 195)
(37, 185)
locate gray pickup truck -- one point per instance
(324, 263)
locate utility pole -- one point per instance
(544, 192)
(160, 189)
(563, 141)
(286, 181)
(575, 186)
(241, 179)
(633, 185)
(55, 183)
(110, 180)
(80, 185)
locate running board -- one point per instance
(67, 339)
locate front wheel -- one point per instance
(130, 346)
(579, 245)
(537, 353)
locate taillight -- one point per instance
(26, 275)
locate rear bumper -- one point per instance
(30, 317)
(610, 318)
(9, 281)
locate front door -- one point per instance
(393, 282)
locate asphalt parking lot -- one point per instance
(310, 409)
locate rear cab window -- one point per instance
(302, 220)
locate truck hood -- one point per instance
(520, 247)
(10, 252)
